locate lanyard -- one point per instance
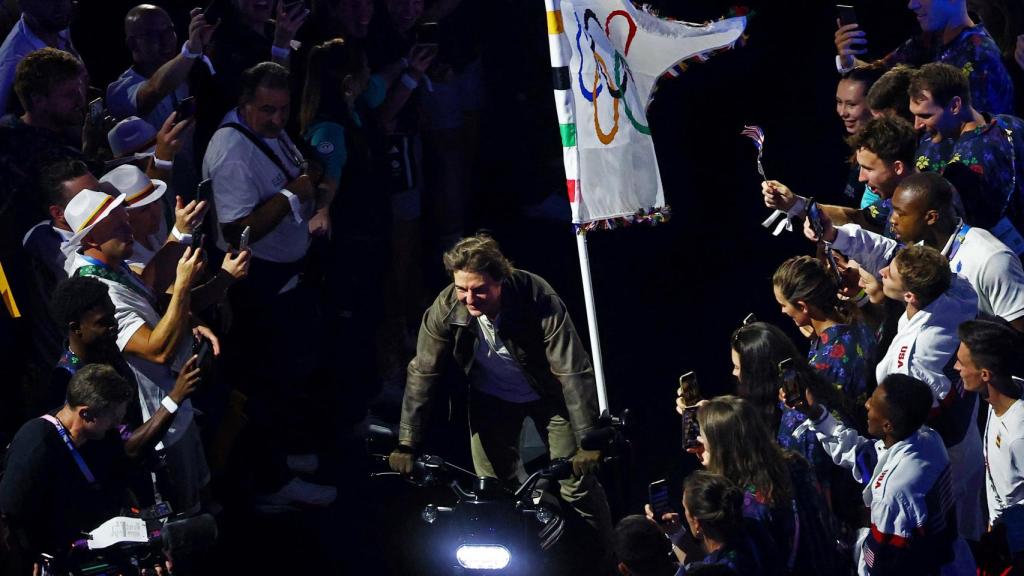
(988, 468)
(124, 277)
(71, 448)
(958, 240)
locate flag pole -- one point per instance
(558, 46)
(595, 338)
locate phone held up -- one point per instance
(791, 388)
(690, 394)
(185, 109)
(847, 15)
(657, 493)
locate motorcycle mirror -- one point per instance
(380, 439)
(558, 469)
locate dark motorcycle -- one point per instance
(487, 528)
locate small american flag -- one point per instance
(756, 134)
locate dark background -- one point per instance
(667, 297)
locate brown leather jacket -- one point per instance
(537, 331)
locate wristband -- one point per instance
(408, 81)
(295, 203)
(843, 69)
(188, 53)
(281, 53)
(162, 164)
(181, 237)
(403, 449)
(171, 405)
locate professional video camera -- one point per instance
(126, 545)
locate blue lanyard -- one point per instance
(71, 448)
(958, 240)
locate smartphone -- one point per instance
(185, 109)
(428, 34)
(204, 191)
(814, 215)
(202, 348)
(96, 111)
(243, 240)
(215, 11)
(690, 393)
(847, 15)
(790, 386)
(658, 496)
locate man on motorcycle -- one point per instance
(510, 334)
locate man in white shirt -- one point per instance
(923, 213)
(989, 361)
(259, 184)
(925, 347)
(907, 478)
(154, 345)
(43, 23)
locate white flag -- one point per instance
(616, 53)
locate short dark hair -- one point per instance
(890, 92)
(478, 254)
(265, 74)
(997, 348)
(716, 502)
(73, 297)
(932, 187)
(943, 81)
(99, 387)
(641, 545)
(925, 272)
(909, 401)
(38, 72)
(53, 175)
(891, 138)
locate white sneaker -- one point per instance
(303, 463)
(297, 495)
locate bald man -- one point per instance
(922, 213)
(158, 78)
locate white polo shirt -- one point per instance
(244, 178)
(1004, 459)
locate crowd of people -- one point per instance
(182, 243)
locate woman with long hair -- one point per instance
(778, 486)
(842, 347)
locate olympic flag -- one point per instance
(606, 57)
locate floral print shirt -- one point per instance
(973, 51)
(841, 355)
(986, 165)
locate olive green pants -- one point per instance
(495, 426)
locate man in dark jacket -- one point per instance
(511, 335)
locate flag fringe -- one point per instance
(649, 216)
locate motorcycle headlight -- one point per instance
(483, 556)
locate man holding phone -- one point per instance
(947, 35)
(156, 85)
